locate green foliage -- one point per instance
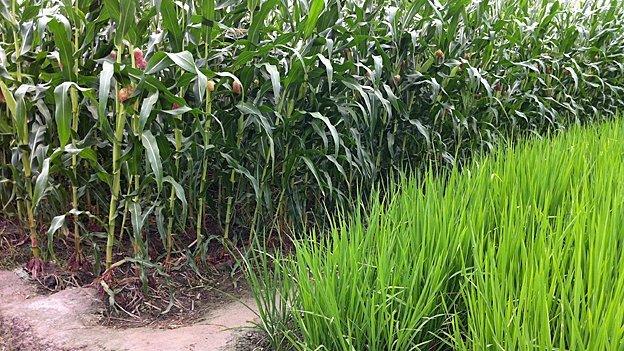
(521, 250)
(190, 121)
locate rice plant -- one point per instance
(519, 251)
(158, 129)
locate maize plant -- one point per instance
(155, 129)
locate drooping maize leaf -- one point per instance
(153, 156)
(62, 39)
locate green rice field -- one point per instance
(521, 250)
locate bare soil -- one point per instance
(71, 319)
(171, 296)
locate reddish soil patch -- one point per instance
(69, 320)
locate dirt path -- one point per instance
(67, 320)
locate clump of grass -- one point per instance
(520, 250)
